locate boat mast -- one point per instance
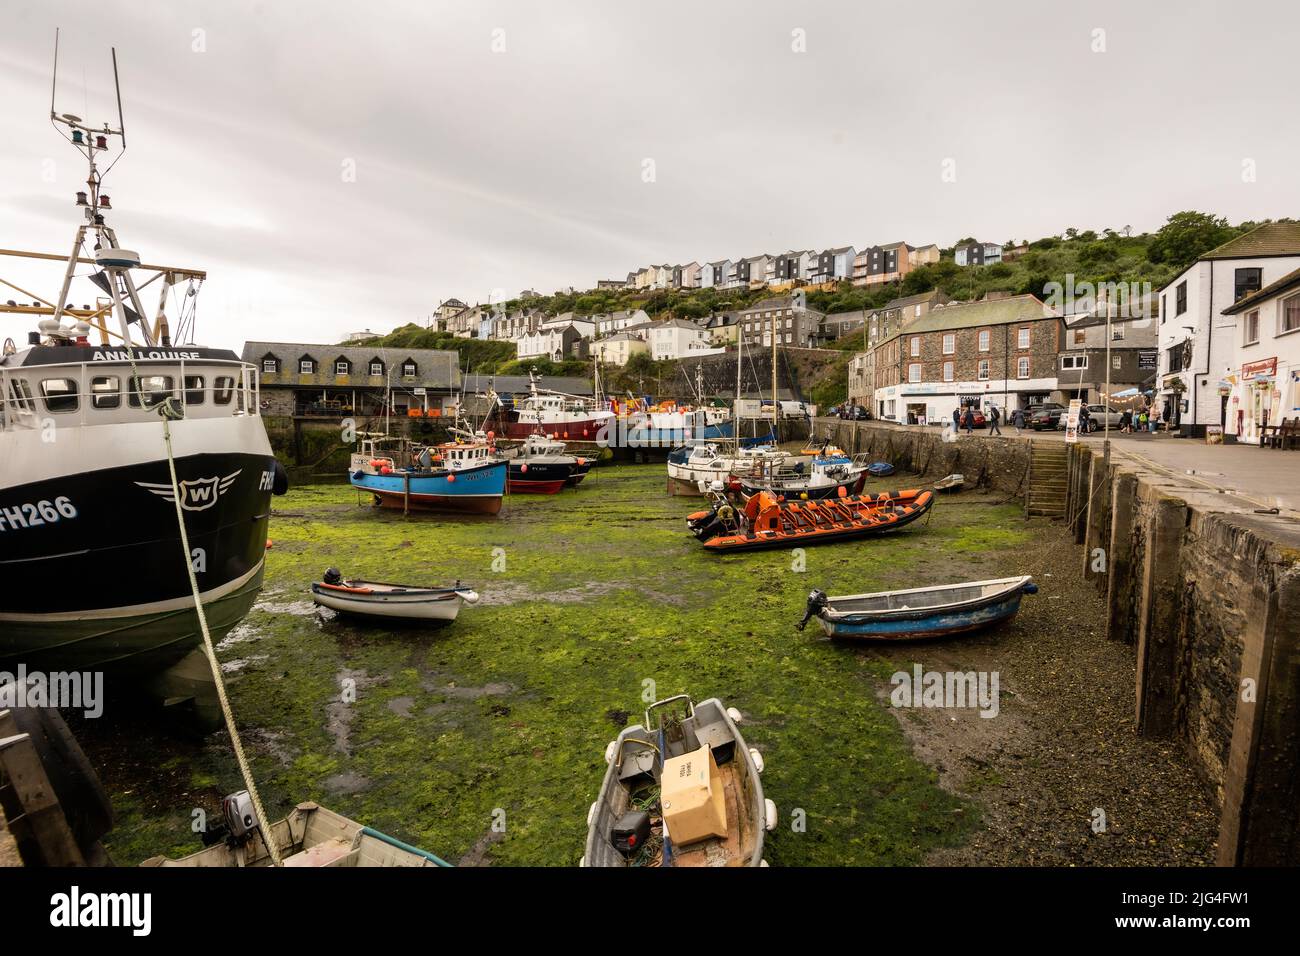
(114, 261)
(775, 404)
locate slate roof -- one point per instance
(518, 384)
(435, 368)
(1270, 239)
(965, 315)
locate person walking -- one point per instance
(994, 417)
(1125, 421)
(956, 420)
(968, 419)
(1085, 420)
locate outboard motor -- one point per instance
(240, 817)
(333, 576)
(817, 602)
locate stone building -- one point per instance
(334, 381)
(995, 352)
(796, 326)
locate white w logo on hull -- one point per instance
(198, 494)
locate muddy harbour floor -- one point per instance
(483, 741)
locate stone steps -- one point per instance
(1048, 481)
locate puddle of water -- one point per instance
(237, 665)
(519, 593)
(237, 635)
(298, 608)
(473, 693)
(347, 782)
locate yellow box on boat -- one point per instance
(694, 805)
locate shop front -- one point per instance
(1255, 400)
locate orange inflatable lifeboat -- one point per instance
(770, 522)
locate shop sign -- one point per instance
(1263, 367)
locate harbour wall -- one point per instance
(998, 463)
(1206, 592)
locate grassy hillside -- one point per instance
(1110, 255)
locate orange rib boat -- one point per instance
(767, 521)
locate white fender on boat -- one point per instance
(769, 815)
(582, 861)
(763, 863)
(609, 751)
(591, 813)
(735, 715)
(757, 757)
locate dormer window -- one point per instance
(409, 369)
(270, 365)
(342, 366)
(306, 365)
(376, 367)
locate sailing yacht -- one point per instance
(95, 574)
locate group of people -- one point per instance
(1143, 420)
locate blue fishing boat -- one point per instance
(880, 469)
(917, 613)
(460, 476)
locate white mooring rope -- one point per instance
(168, 410)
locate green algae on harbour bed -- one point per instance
(502, 718)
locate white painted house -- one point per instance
(672, 339)
(1200, 345)
(1265, 380)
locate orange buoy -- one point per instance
(450, 479)
(268, 544)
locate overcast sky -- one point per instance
(504, 146)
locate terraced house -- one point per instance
(330, 381)
(994, 352)
(794, 326)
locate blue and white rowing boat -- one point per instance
(919, 613)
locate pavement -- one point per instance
(1256, 477)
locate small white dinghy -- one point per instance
(401, 601)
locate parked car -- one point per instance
(1045, 416)
(1097, 418)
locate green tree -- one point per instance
(1186, 236)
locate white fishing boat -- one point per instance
(378, 599)
(681, 789)
(693, 470)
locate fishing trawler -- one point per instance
(110, 434)
(543, 466)
(557, 414)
